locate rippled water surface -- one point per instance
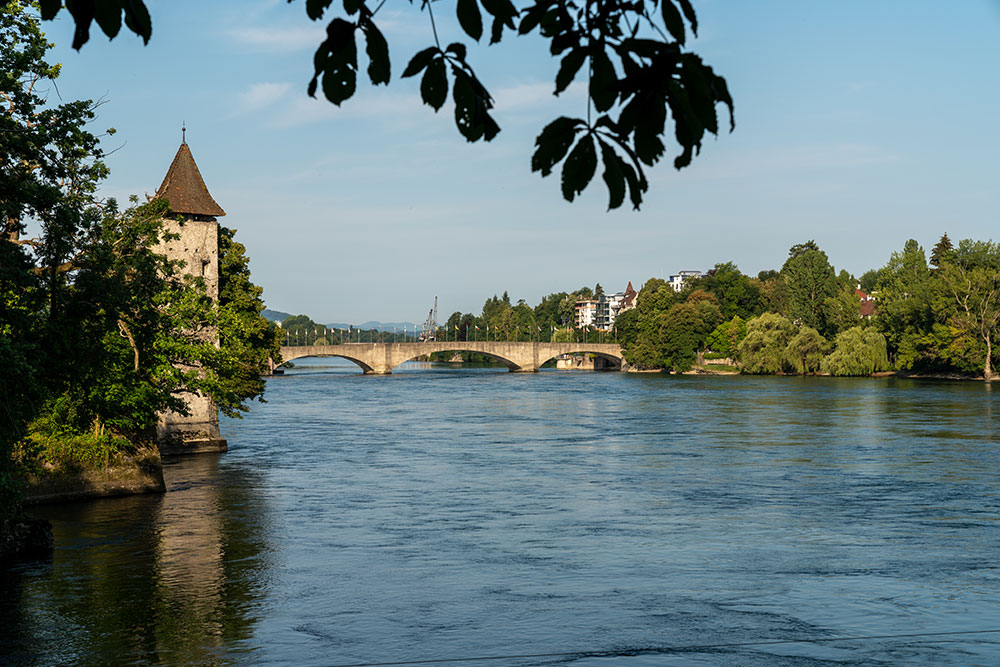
(618, 519)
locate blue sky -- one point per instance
(858, 124)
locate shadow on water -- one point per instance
(146, 579)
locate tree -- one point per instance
(248, 342)
(806, 349)
(763, 350)
(655, 296)
(467, 326)
(736, 294)
(49, 168)
(709, 317)
(679, 340)
(664, 334)
(298, 329)
(868, 280)
(810, 281)
(523, 318)
(627, 328)
(563, 336)
(20, 384)
(905, 308)
(726, 337)
(843, 310)
(857, 351)
(549, 311)
(631, 53)
(800, 249)
(767, 274)
(567, 306)
(942, 252)
(773, 291)
(640, 330)
(971, 284)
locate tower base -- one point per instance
(195, 433)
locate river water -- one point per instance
(609, 518)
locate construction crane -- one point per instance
(429, 331)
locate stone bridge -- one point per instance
(381, 358)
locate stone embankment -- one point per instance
(141, 474)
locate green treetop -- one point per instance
(810, 281)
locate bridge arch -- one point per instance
(458, 346)
(286, 357)
(614, 361)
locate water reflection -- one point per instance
(152, 579)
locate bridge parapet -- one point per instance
(382, 358)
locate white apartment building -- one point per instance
(677, 281)
(586, 312)
(600, 313)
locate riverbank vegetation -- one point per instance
(933, 317)
(100, 332)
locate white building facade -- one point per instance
(600, 313)
(677, 281)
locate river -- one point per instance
(603, 518)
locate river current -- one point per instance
(601, 518)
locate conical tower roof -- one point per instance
(184, 188)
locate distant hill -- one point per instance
(275, 315)
(279, 316)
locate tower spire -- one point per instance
(184, 188)
(183, 132)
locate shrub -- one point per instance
(56, 440)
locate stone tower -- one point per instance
(192, 216)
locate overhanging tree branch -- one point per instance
(640, 78)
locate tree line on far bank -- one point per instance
(933, 316)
